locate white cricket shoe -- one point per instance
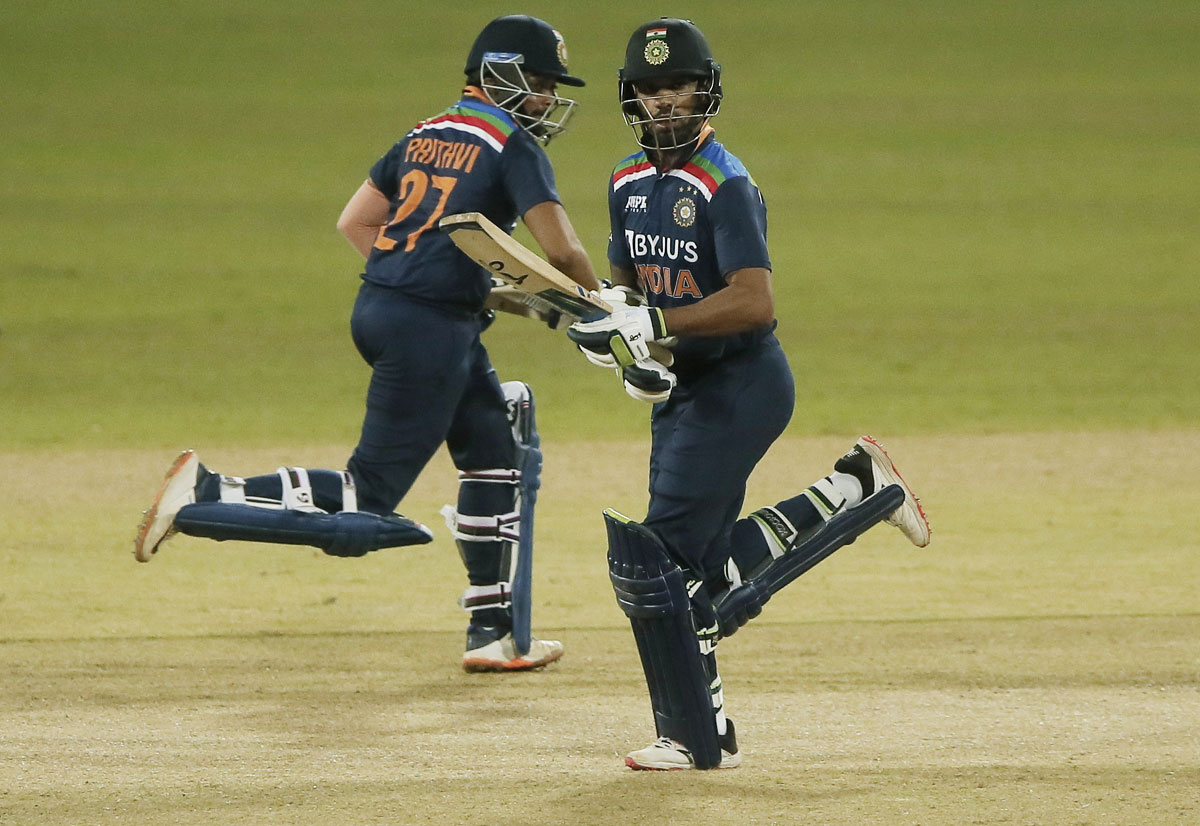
(910, 517)
(158, 522)
(500, 654)
(665, 754)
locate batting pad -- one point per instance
(652, 591)
(337, 534)
(745, 602)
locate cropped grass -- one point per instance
(983, 227)
(982, 217)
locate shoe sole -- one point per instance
(143, 548)
(728, 761)
(911, 502)
(478, 665)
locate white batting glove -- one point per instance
(648, 381)
(599, 359)
(621, 298)
(618, 298)
(625, 334)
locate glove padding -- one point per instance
(618, 298)
(648, 381)
(625, 334)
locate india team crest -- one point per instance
(657, 52)
(562, 48)
(684, 212)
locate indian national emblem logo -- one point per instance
(684, 212)
(562, 48)
(657, 52)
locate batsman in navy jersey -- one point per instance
(688, 255)
(417, 322)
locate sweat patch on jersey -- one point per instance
(479, 120)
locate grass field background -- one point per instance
(983, 220)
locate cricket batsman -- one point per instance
(417, 322)
(688, 255)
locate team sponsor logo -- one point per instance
(684, 212)
(562, 48)
(636, 203)
(642, 245)
(657, 52)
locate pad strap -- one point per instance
(349, 493)
(233, 490)
(475, 597)
(297, 490)
(499, 476)
(504, 527)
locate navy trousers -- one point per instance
(706, 440)
(431, 382)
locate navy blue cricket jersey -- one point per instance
(471, 158)
(685, 231)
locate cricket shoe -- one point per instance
(178, 489)
(493, 649)
(871, 465)
(665, 754)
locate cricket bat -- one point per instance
(510, 261)
(515, 264)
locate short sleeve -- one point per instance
(618, 250)
(528, 176)
(739, 222)
(385, 171)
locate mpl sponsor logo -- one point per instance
(636, 203)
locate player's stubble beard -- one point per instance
(667, 159)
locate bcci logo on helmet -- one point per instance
(657, 52)
(561, 46)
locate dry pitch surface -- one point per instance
(1038, 664)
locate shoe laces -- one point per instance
(668, 743)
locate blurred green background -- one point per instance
(984, 216)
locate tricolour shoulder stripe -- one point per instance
(698, 178)
(631, 169)
(472, 120)
(474, 129)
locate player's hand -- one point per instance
(618, 298)
(648, 381)
(625, 334)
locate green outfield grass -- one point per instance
(983, 220)
(982, 217)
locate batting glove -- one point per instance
(648, 381)
(625, 334)
(617, 298)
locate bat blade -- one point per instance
(516, 265)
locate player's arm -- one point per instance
(551, 228)
(365, 212)
(746, 303)
(621, 277)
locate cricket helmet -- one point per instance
(668, 49)
(504, 52)
(540, 47)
